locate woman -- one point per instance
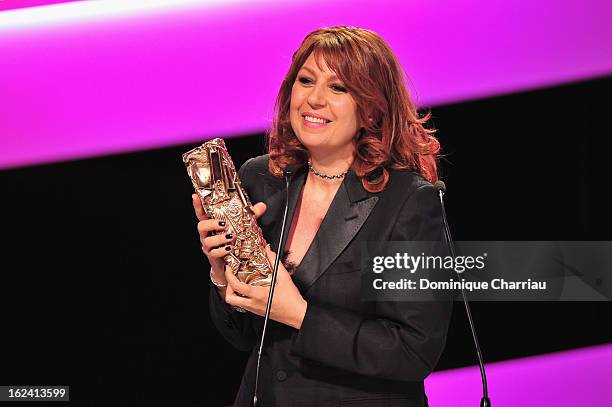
(365, 167)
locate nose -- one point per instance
(316, 98)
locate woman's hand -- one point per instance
(288, 305)
(215, 246)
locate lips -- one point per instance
(314, 118)
(314, 121)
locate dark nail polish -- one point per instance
(227, 248)
(228, 236)
(221, 223)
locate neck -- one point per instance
(332, 162)
(327, 187)
(327, 166)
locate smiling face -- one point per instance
(323, 114)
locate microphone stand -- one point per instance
(281, 245)
(484, 401)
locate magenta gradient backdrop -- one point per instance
(108, 81)
(581, 377)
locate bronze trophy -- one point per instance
(215, 180)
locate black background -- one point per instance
(104, 286)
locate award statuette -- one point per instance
(215, 180)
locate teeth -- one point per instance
(314, 119)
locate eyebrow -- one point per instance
(331, 78)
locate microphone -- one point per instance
(484, 401)
(287, 173)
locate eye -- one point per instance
(304, 80)
(338, 88)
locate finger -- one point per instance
(229, 295)
(217, 242)
(232, 298)
(238, 286)
(229, 291)
(197, 207)
(206, 226)
(259, 209)
(218, 252)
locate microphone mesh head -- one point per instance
(440, 185)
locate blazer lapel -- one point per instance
(346, 215)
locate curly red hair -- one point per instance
(395, 137)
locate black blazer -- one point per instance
(348, 352)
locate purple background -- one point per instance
(580, 377)
(82, 78)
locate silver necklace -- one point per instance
(318, 174)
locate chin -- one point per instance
(311, 141)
